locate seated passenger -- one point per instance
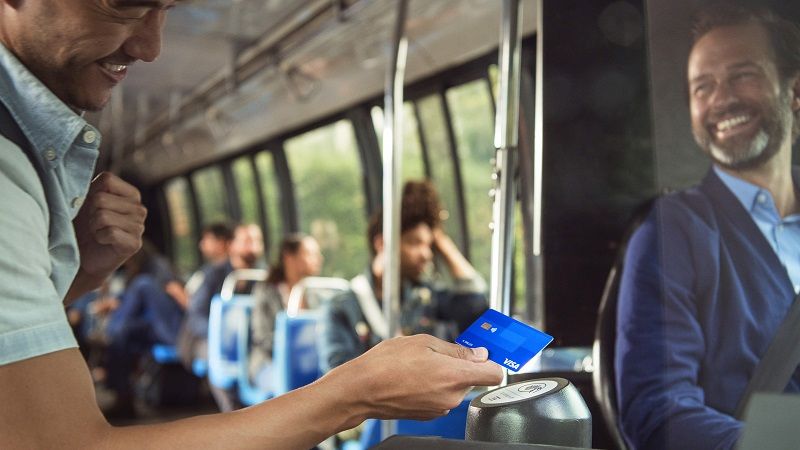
(353, 322)
(299, 257)
(712, 272)
(245, 252)
(147, 315)
(214, 242)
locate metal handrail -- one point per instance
(229, 285)
(506, 145)
(392, 152)
(308, 283)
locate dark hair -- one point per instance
(784, 35)
(219, 230)
(419, 204)
(290, 244)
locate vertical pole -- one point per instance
(392, 153)
(505, 142)
(538, 157)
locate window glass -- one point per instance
(270, 190)
(519, 286)
(471, 109)
(431, 114)
(246, 188)
(413, 165)
(184, 254)
(210, 190)
(327, 178)
(494, 78)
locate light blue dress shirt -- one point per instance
(38, 251)
(783, 234)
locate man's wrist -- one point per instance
(83, 283)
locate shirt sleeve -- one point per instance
(32, 317)
(660, 346)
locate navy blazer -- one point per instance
(701, 296)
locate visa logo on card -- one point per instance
(510, 342)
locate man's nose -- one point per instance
(723, 97)
(145, 42)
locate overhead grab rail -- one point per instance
(246, 64)
(392, 153)
(506, 148)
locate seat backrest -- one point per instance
(314, 290)
(451, 426)
(294, 353)
(603, 349)
(295, 359)
(224, 326)
(227, 313)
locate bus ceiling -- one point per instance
(234, 74)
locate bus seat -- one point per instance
(295, 360)
(224, 321)
(228, 312)
(168, 354)
(294, 354)
(200, 367)
(603, 349)
(164, 354)
(451, 426)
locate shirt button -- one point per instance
(89, 136)
(762, 198)
(77, 202)
(50, 154)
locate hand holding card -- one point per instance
(510, 342)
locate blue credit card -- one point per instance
(510, 342)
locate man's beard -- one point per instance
(752, 153)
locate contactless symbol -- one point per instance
(533, 387)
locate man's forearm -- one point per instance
(82, 284)
(298, 420)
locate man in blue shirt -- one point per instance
(353, 322)
(62, 236)
(713, 270)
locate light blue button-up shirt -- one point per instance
(38, 251)
(783, 234)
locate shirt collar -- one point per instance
(48, 123)
(748, 194)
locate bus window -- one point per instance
(431, 115)
(246, 187)
(271, 193)
(326, 174)
(413, 165)
(494, 79)
(210, 190)
(471, 108)
(184, 254)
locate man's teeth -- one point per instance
(115, 67)
(727, 124)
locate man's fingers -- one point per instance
(108, 182)
(104, 218)
(483, 374)
(124, 243)
(457, 351)
(117, 203)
